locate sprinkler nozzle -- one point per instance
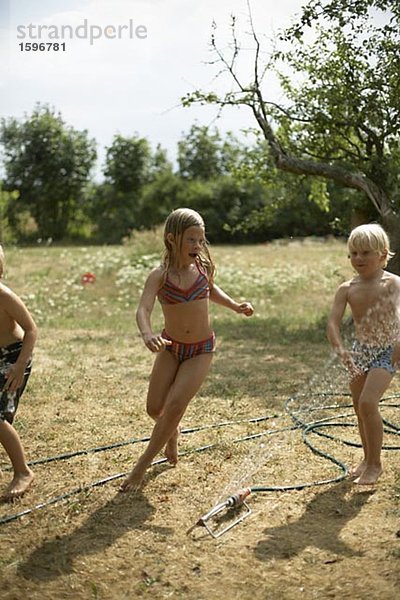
(232, 502)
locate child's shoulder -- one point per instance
(5, 293)
(346, 285)
(392, 276)
(393, 280)
(158, 271)
(157, 274)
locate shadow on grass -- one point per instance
(124, 512)
(319, 526)
(272, 330)
(254, 357)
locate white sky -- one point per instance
(127, 85)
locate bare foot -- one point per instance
(355, 472)
(133, 482)
(171, 449)
(18, 486)
(369, 476)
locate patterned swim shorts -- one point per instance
(9, 400)
(373, 357)
(184, 351)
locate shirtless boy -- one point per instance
(374, 299)
(17, 338)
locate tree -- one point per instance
(6, 200)
(113, 205)
(342, 115)
(128, 163)
(203, 154)
(137, 191)
(159, 198)
(48, 163)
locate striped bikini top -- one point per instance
(169, 293)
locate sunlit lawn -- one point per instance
(88, 390)
(89, 349)
(290, 284)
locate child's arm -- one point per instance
(335, 318)
(333, 328)
(17, 311)
(396, 344)
(220, 297)
(155, 343)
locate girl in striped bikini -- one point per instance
(184, 285)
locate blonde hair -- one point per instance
(176, 224)
(2, 261)
(370, 237)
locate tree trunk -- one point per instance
(391, 224)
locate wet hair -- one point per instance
(370, 237)
(2, 261)
(176, 224)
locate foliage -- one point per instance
(204, 154)
(133, 188)
(7, 234)
(127, 164)
(346, 111)
(48, 163)
(159, 197)
(111, 213)
(337, 124)
(341, 116)
(347, 108)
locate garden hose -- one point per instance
(308, 429)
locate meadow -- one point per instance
(87, 396)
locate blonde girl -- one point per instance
(184, 285)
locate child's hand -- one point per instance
(156, 343)
(347, 359)
(396, 356)
(14, 377)
(245, 308)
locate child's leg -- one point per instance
(23, 475)
(162, 377)
(377, 381)
(189, 377)
(356, 387)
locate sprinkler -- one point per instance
(233, 502)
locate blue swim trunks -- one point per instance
(373, 357)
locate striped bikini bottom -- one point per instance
(185, 350)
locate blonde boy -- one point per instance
(374, 299)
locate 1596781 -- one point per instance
(42, 47)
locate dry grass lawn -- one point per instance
(87, 391)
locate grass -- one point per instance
(272, 276)
(89, 350)
(87, 390)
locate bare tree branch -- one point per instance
(292, 164)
